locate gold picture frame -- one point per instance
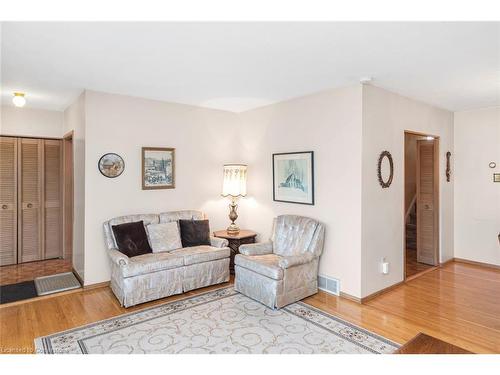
(158, 168)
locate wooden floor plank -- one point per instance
(481, 272)
(412, 266)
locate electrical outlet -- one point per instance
(384, 267)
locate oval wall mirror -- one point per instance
(385, 169)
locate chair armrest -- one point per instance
(288, 262)
(218, 242)
(260, 248)
(118, 258)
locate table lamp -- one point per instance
(234, 186)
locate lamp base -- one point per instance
(233, 215)
(233, 229)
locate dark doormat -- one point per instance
(17, 292)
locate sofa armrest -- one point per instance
(118, 258)
(261, 248)
(288, 262)
(218, 242)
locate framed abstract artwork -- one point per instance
(293, 177)
(111, 165)
(158, 168)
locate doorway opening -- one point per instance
(36, 221)
(421, 204)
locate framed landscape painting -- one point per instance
(293, 177)
(158, 168)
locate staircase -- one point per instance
(411, 229)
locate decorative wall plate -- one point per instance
(111, 165)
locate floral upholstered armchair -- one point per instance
(284, 269)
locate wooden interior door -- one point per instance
(30, 224)
(8, 201)
(427, 202)
(52, 199)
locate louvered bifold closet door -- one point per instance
(52, 191)
(427, 211)
(8, 201)
(30, 167)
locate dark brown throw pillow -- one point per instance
(131, 239)
(194, 232)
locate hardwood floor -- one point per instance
(17, 273)
(412, 266)
(457, 303)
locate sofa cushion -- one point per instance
(266, 265)
(153, 262)
(200, 254)
(194, 232)
(164, 236)
(108, 232)
(131, 239)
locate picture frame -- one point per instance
(111, 165)
(158, 168)
(293, 177)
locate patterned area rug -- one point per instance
(220, 321)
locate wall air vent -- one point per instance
(329, 284)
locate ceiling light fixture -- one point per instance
(429, 138)
(19, 100)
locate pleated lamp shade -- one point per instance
(235, 180)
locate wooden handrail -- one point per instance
(413, 201)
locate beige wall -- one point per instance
(385, 118)
(477, 197)
(204, 141)
(29, 122)
(328, 123)
(74, 120)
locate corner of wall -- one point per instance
(386, 116)
(330, 124)
(74, 120)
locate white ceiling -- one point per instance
(239, 66)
